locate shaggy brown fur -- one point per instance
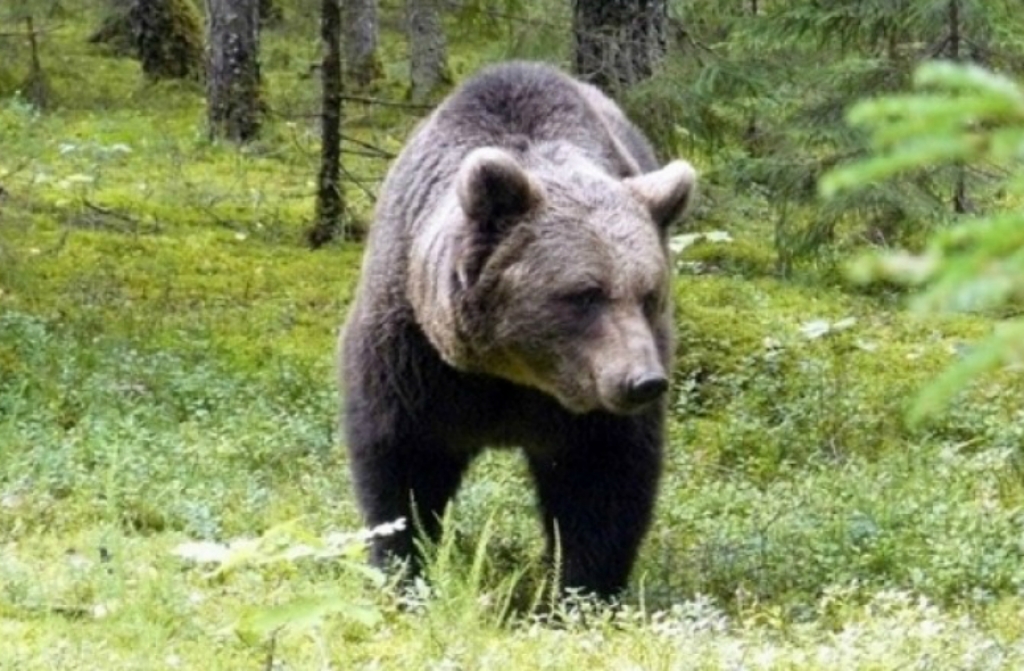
(516, 292)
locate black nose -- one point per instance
(645, 389)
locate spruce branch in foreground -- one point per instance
(959, 114)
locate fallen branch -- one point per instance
(377, 151)
(359, 184)
(35, 30)
(113, 220)
(386, 103)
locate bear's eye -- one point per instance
(652, 303)
(585, 299)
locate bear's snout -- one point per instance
(626, 392)
(643, 390)
(629, 373)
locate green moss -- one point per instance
(745, 255)
(246, 298)
(758, 391)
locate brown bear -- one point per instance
(515, 292)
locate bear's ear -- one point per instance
(666, 193)
(493, 188)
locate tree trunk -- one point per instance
(169, 38)
(233, 102)
(361, 30)
(330, 200)
(115, 30)
(428, 58)
(960, 200)
(618, 42)
(752, 138)
(36, 87)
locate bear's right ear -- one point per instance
(666, 193)
(493, 188)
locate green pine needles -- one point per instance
(758, 91)
(959, 115)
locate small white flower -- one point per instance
(815, 329)
(209, 552)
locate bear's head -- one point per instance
(560, 277)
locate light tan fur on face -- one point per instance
(607, 240)
(526, 223)
(622, 344)
(626, 350)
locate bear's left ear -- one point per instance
(493, 188)
(666, 193)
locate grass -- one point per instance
(166, 375)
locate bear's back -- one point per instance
(517, 106)
(512, 106)
(518, 101)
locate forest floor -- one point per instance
(166, 376)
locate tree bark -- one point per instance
(961, 204)
(168, 37)
(618, 42)
(37, 86)
(116, 30)
(330, 199)
(233, 87)
(361, 31)
(428, 50)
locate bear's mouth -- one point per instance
(616, 406)
(632, 407)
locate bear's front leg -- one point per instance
(401, 467)
(411, 479)
(597, 498)
(400, 470)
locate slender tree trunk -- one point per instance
(960, 200)
(954, 29)
(752, 136)
(233, 87)
(361, 27)
(168, 37)
(428, 50)
(330, 199)
(36, 86)
(618, 42)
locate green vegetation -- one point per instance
(763, 86)
(166, 376)
(972, 117)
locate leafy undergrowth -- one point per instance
(144, 403)
(166, 376)
(142, 612)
